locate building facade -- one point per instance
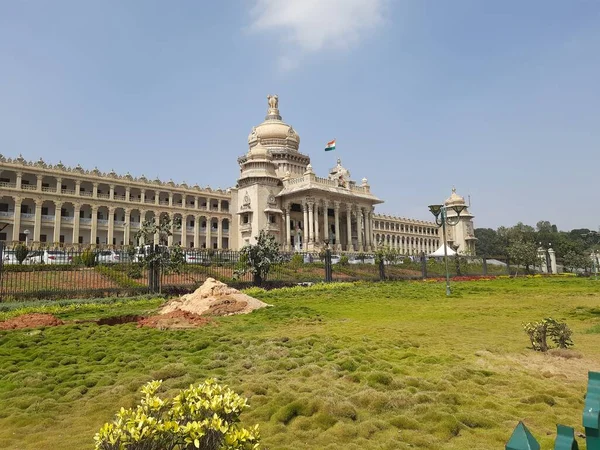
(277, 191)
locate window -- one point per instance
(45, 185)
(44, 210)
(4, 207)
(22, 237)
(245, 218)
(4, 180)
(43, 238)
(63, 212)
(2, 236)
(61, 239)
(80, 239)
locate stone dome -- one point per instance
(454, 199)
(274, 131)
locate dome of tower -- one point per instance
(454, 199)
(274, 131)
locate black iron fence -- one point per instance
(58, 273)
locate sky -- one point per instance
(499, 99)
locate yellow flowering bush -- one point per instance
(201, 417)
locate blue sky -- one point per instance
(500, 99)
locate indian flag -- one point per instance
(330, 146)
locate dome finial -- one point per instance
(273, 111)
(454, 189)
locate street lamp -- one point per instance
(26, 233)
(441, 219)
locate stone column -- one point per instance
(317, 238)
(325, 221)
(219, 209)
(196, 206)
(142, 197)
(170, 199)
(19, 180)
(349, 227)
(552, 260)
(127, 227)
(287, 225)
(17, 218)
(184, 231)
(305, 227)
(77, 187)
(127, 198)
(111, 191)
(57, 217)
(156, 197)
(59, 185)
(95, 190)
(111, 225)
(76, 213)
(370, 228)
(171, 238)
(157, 223)
(219, 230)
(94, 233)
(359, 228)
(338, 234)
(311, 223)
(37, 224)
(197, 230)
(208, 232)
(39, 182)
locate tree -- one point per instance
(574, 260)
(523, 254)
(21, 252)
(489, 243)
(259, 258)
(163, 229)
(201, 417)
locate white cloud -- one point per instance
(315, 25)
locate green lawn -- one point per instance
(352, 366)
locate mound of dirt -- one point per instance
(214, 298)
(32, 320)
(175, 320)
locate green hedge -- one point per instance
(39, 267)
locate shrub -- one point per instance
(21, 253)
(344, 261)
(204, 416)
(88, 258)
(538, 332)
(297, 260)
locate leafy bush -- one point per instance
(259, 257)
(297, 260)
(538, 332)
(344, 261)
(135, 271)
(204, 416)
(87, 258)
(21, 253)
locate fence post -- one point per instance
(522, 439)
(484, 265)
(457, 264)
(328, 274)
(565, 438)
(423, 265)
(591, 412)
(381, 269)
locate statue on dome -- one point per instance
(273, 101)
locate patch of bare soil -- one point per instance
(175, 320)
(214, 298)
(32, 320)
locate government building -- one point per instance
(277, 191)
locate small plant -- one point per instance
(204, 416)
(259, 257)
(88, 258)
(539, 332)
(344, 261)
(297, 260)
(21, 253)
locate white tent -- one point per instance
(440, 252)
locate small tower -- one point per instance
(462, 235)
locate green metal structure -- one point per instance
(522, 439)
